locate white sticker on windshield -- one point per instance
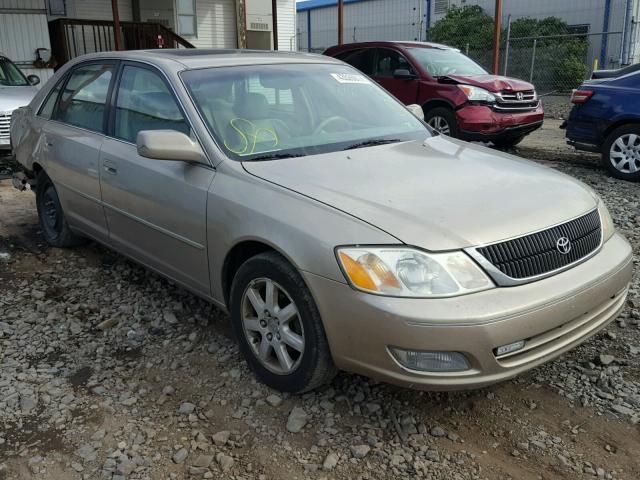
(350, 78)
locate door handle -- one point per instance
(109, 168)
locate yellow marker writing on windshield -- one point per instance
(250, 139)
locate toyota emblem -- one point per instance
(563, 245)
(520, 96)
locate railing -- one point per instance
(72, 37)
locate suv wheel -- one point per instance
(53, 222)
(621, 152)
(278, 325)
(442, 120)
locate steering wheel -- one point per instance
(328, 121)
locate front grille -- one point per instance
(509, 101)
(537, 254)
(5, 123)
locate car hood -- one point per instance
(15, 97)
(440, 194)
(493, 83)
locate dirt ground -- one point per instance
(87, 397)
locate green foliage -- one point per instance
(561, 63)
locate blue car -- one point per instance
(606, 119)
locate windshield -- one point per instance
(261, 112)
(446, 62)
(10, 75)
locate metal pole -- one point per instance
(605, 37)
(116, 24)
(506, 50)
(466, 51)
(496, 36)
(274, 17)
(340, 22)
(533, 59)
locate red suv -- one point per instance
(458, 96)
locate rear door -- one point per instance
(71, 143)
(156, 209)
(388, 61)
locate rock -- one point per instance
(297, 420)
(606, 359)
(221, 438)
(202, 461)
(86, 452)
(186, 408)
(77, 467)
(180, 455)
(360, 451)
(168, 390)
(274, 400)
(107, 324)
(225, 461)
(623, 410)
(330, 462)
(437, 432)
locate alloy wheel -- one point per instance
(625, 153)
(272, 325)
(440, 125)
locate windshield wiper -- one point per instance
(372, 143)
(272, 156)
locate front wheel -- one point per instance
(442, 120)
(53, 222)
(621, 153)
(278, 325)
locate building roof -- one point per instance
(313, 4)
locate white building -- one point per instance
(29, 25)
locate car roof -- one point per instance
(401, 43)
(202, 58)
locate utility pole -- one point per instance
(340, 22)
(496, 37)
(116, 25)
(274, 20)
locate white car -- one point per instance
(16, 91)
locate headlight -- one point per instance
(407, 272)
(608, 229)
(476, 94)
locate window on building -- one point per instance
(57, 7)
(186, 10)
(441, 7)
(145, 103)
(82, 102)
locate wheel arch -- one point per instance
(617, 124)
(435, 103)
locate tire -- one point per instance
(53, 222)
(437, 115)
(508, 142)
(621, 153)
(311, 366)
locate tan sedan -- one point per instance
(336, 229)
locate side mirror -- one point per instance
(416, 110)
(33, 79)
(403, 74)
(169, 145)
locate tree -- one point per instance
(462, 26)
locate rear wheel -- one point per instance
(278, 325)
(621, 153)
(442, 120)
(53, 222)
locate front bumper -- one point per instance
(552, 316)
(482, 123)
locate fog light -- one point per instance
(431, 361)
(512, 347)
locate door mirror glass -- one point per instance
(403, 73)
(416, 110)
(33, 79)
(169, 145)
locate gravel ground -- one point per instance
(108, 371)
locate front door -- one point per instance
(156, 209)
(389, 61)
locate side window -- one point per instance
(46, 110)
(389, 61)
(82, 102)
(144, 102)
(361, 59)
